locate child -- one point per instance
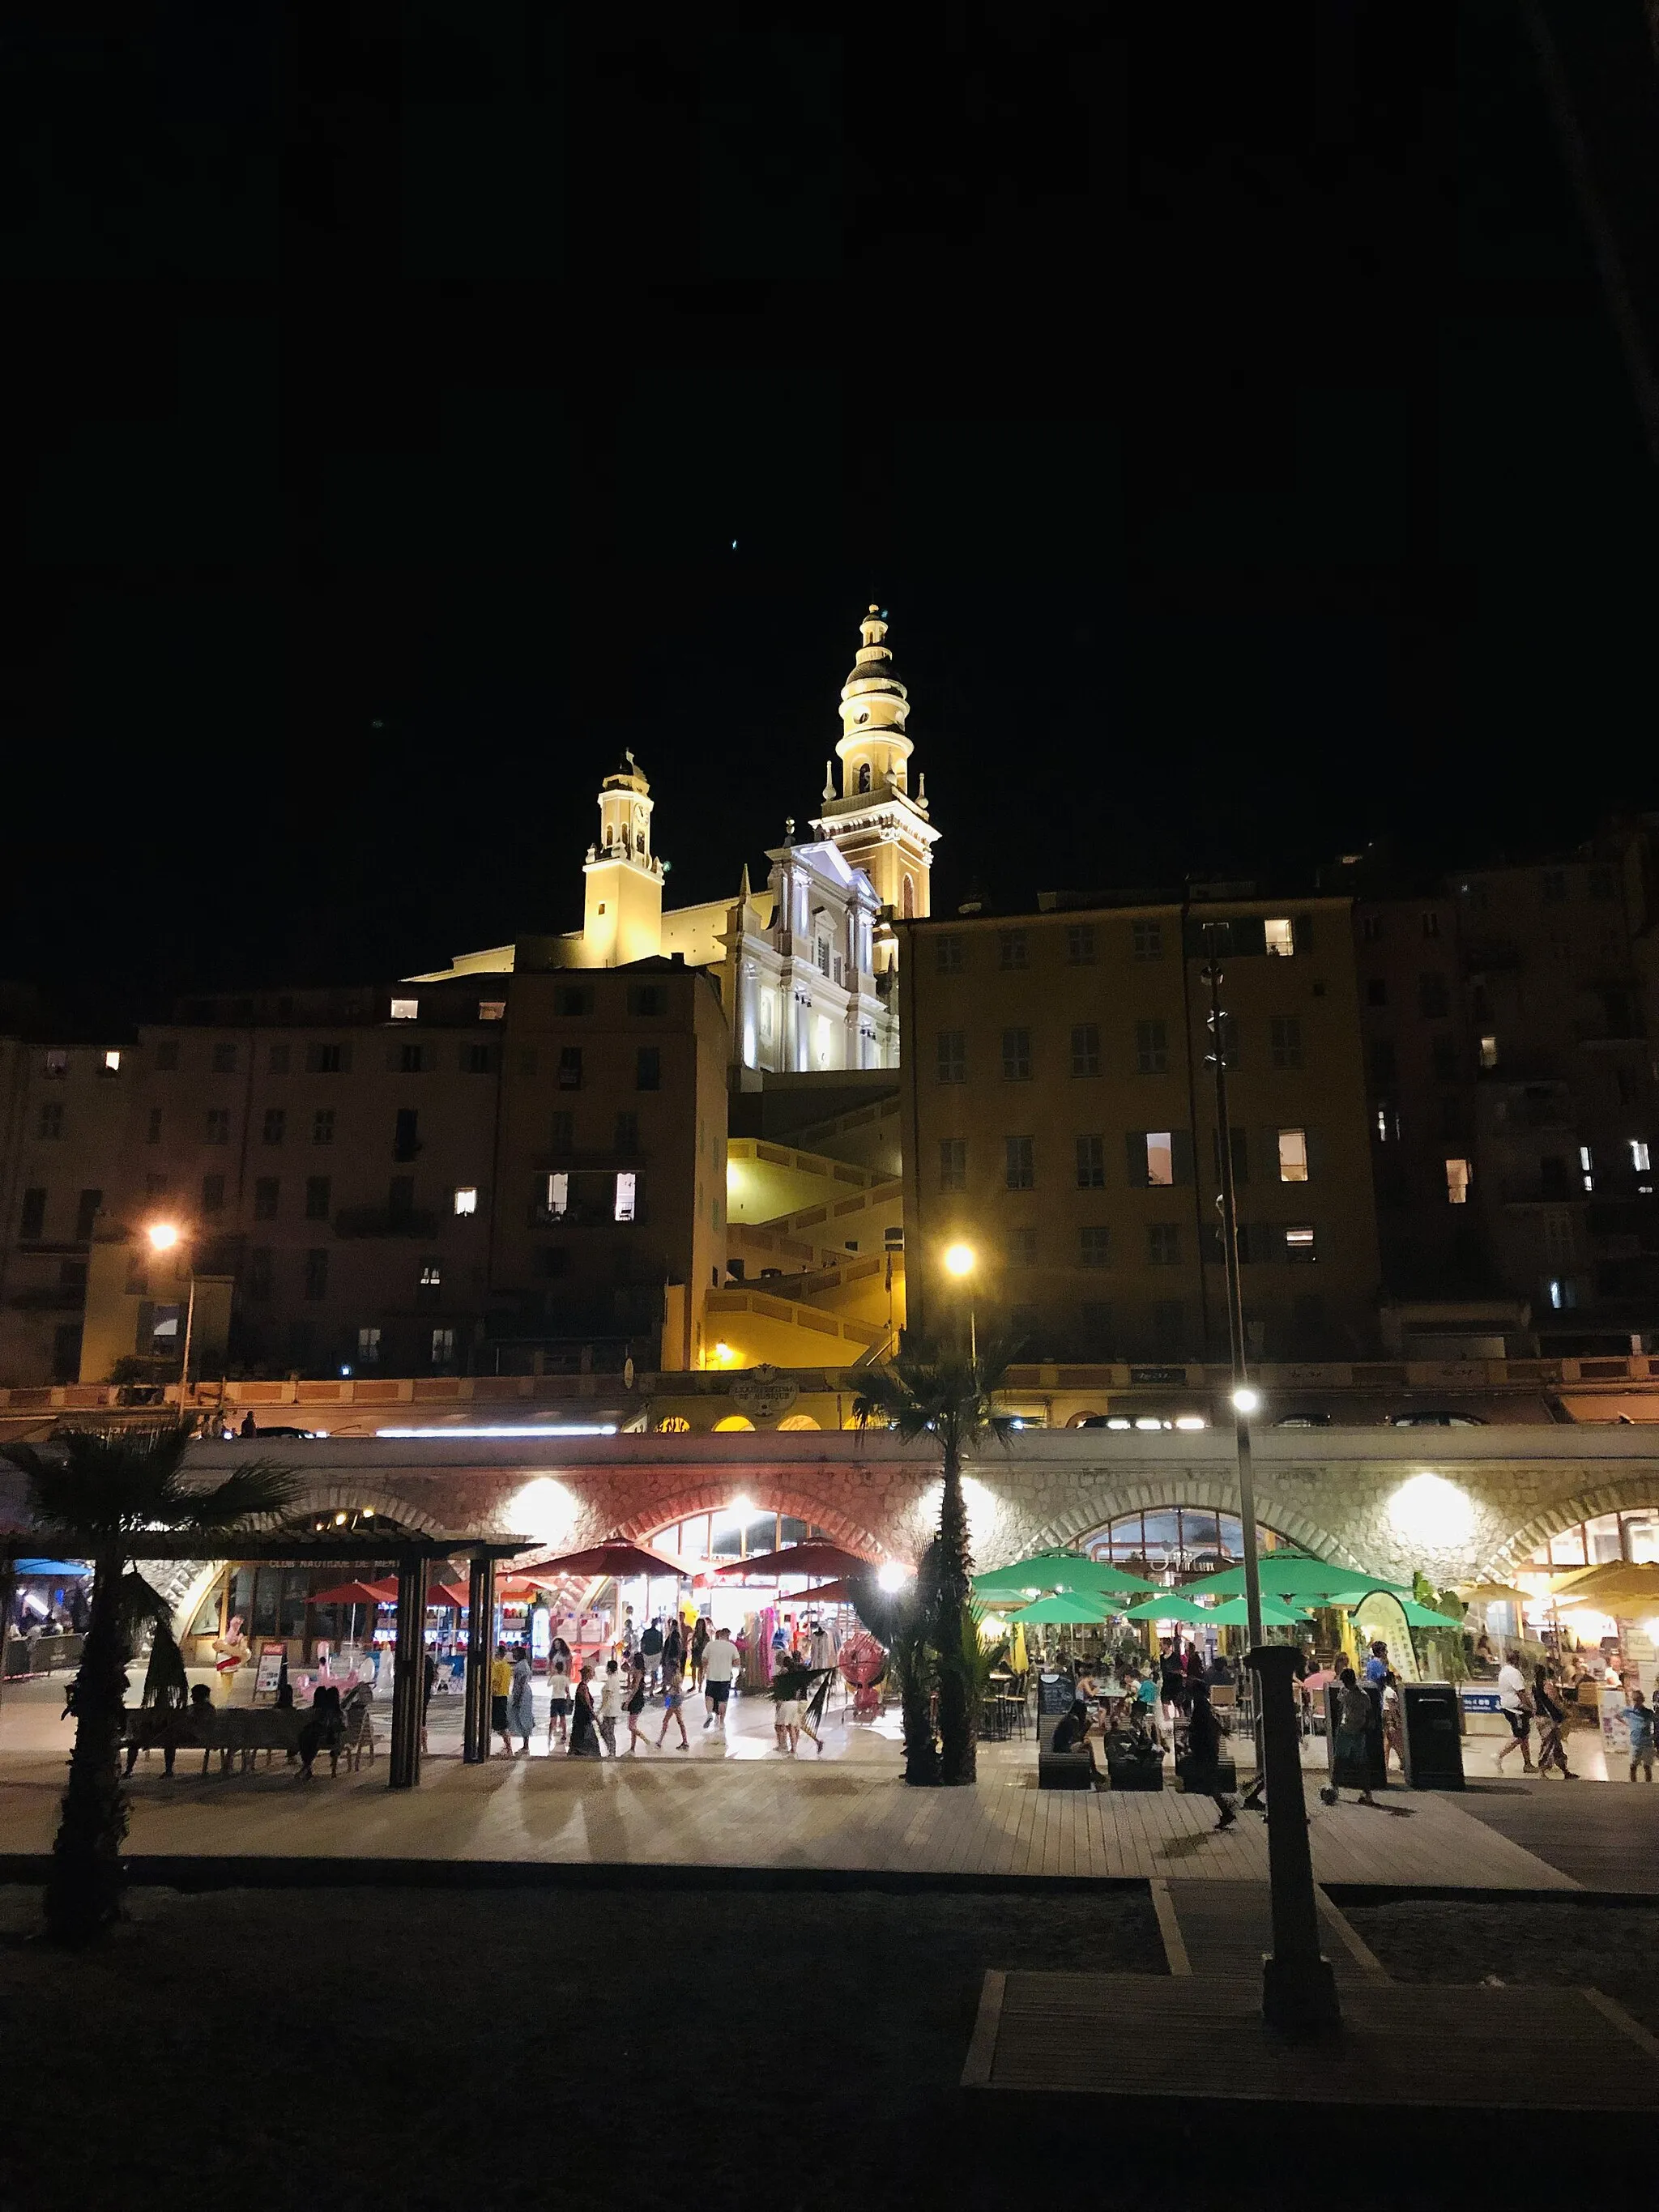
(1638, 1719)
(610, 1705)
(561, 1693)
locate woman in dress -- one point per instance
(561, 1693)
(1550, 1717)
(673, 1691)
(1394, 1721)
(635, 1704)
(520, 1703)
(700, 1636)
(584, 1735)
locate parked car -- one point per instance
(1434, 1421)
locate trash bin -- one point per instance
(1434, 1743)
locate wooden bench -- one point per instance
(1065, 1770)
(241, 1733)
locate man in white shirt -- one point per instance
(720, 1664)
(821, 1646)
(1517, 1709)
(611, 1705)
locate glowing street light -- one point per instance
(166, 1236)
(892, 1575)
(163, 1235)
(960, 1260)
(1247, 1400)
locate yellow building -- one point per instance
(1058, 1120)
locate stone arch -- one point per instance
(770, 1493)
(1149, 1490)
(798, 1421)
(185, 1583)
(1619, 1495)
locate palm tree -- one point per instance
(951, 1399)
(99, 1491)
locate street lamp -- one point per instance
(960, 1260)
(166, 1236)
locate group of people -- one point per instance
(584, 1725)
(1154, 1709)
(1525, 1704)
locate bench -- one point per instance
(1065, 1770)
(242, 1732)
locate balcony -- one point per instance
(385, 1221)
(588, 1213)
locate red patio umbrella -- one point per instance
(618, 1559)
(835, 1593)
(811, 1558)
(449, 1594)
(382, 1592)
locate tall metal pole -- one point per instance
(190, 1323)
(1298, 1989)
(407, 1673)
(480, 1620)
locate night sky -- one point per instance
(1226, 412)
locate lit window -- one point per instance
(432, 1275)
(1281, 938)
(558, 1195)
(405, 1010)
(626, 1185)
(1640, 1157)
(1299, 1243)
(1489, 1052)
(1293, 1156)
(1160, 1158)
(112, 1063)
(492, 1010)
(1459, 1175)
(1382, 1122)
(466, 1199)
(1587, 1166)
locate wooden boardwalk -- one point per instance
(756, 1812)
(1603, 1834)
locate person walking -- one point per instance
(500, 1692)
(584, 1736)
(634, 1705)
(1354, 1727)
(561, 1693)
(428, 1683)
(673, 1693)
(611, 1705)
(1638, 1717)
(673, 1650)
(1551, 1718)
(720, 1664)
(790, 1679)
(700, 1638)
(1200, 1769)
(651, 1650)
(1394, 1721)
(1516, 1709)
(521, 1700)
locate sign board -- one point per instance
(270, 1669)
(1481, 1700)
(1157, 1375)
(764, 1395)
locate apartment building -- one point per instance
(1058, 1120)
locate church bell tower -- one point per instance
(622, 910)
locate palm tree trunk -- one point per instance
(83, 1890)
(958, 1728)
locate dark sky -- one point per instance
(1224, 406)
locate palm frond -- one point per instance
(249, 1492)
(104, 1485)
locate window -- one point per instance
(1433, 999)
(821, 954)
(1489, 1052)
(1459, 1175)
(1086, 1049)
(1080, 944)
(87, 1211)
(492, 1010)
(954, 1163)
(152, 1126)
(1443, 1053)
(1016, 1055)
(411, 1058)
(573, 999)
(1293, 1156)
(1281, 938)
(1377, 992)
(322, 1126)
(1095, 1246)
(628, 1183)
(443, 1347)
(213, 1194)
(432, 1275)
(1299, 1243)
(405, 1010)
(465, 1198)
(1019, 1155)
(317, 1273)
(326, 1059)
(1022, 1248)
(33, 1226)
(650, 999)
(112, 1064)
(1146, 940)
(558, 1194)
(1164, 1243)
(1159, 1160)
(1430, 925)
(1091, 1164)
(51, 1123)
(628, 1133)
(1553, 886)
(1285, 1031)
(217, 1128)
(1151, 1049)
(406, 1134)
(258, 1271)
(1010, 948)
(1370, 928)
(275, 1124)
(224, 1060)
(477, 1060)
(947, 956)
(562, 1130)
(1587, 1166)
(55, 1066)
(1640, 1157)
(647, 1067)
(570, 1067)
(318, 1189)
(276, 1060)
(266, 1191)
(166, 1056)
(368, 1347)
(953, 1056)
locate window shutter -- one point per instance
(1302, 932)
(1180, 1155)
(1315, 1141)
(1134, 1147)
(1241, 1152)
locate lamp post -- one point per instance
(166, 1236)
(1298, 1990)
(960, 1260)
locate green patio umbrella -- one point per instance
(1169, 1605)
(1075, 1611)
(1293, 1575)
(1233, 1613)
(1417, 1616)
(1049, 1570)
